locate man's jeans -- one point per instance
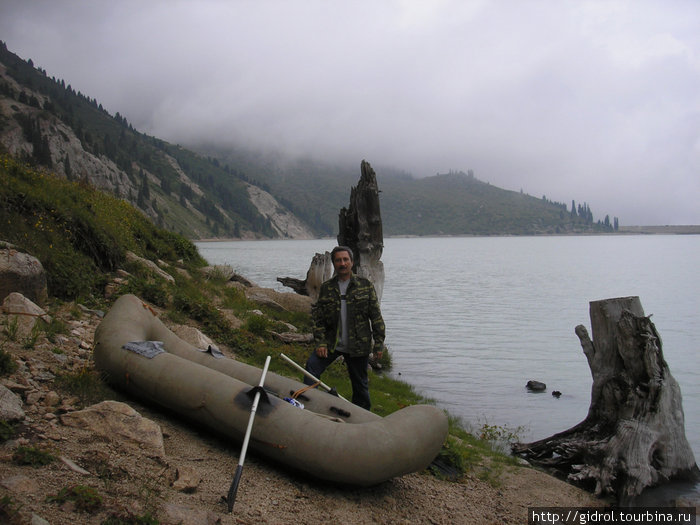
(357, 370)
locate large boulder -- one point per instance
(10, 405)
(193, 336)
(288, 301)
(132, 257)
(119, 423)
(23, 312)
(21, 272)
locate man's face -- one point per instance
(342, 264)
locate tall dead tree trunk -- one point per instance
(360, 228)
(634, 434)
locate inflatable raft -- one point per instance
(329, 438)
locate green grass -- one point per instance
(11, 327)
(86, 384)
(78, 233)
(54, 328)
(32, 456)
(7, 364)
(85, 499)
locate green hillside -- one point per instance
(79, 234)
(178, 189)
(456, 203)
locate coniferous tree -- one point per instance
(44, 155)
(67, 169)
(146, 189)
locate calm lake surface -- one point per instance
(471, 320)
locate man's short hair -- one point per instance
(341, 249)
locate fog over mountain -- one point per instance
(597, 101)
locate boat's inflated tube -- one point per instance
(330, 438)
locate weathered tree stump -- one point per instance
(634, 434)
(320, 270)
(360, 228)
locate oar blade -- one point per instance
(233, 489)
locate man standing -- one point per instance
(347, 321)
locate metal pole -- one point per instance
(231, 498)
(309, 375)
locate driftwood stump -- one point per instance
(360, 229)
(320, 270)
(634, 434)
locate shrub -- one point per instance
(33, 336)
(7, 364)
(12, 327)
(6, 430)
(53, 328)
(450, 462)
(86, 384)
(9, 511)
(32, 456)
(86, 499)
(258, 324)
(153, 292)
(499, 436)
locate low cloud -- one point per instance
(592, 101)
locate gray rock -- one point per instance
(10, 405)
(119, 423)
(132, 257)
(20, 484)
(536, 386)
(21, 272)
(38, 520)
(24, 311)
(187, 480)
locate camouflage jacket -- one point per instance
(365, 323)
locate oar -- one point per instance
(311, 376)
(231, 498)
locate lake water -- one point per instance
(470, 320)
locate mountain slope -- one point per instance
(45, 122)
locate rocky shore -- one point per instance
(177, 473)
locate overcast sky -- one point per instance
(593, 101)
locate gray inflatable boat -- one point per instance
(329, 438)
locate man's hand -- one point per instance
(322, 352)
(378, 355)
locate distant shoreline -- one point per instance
(689, 229)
